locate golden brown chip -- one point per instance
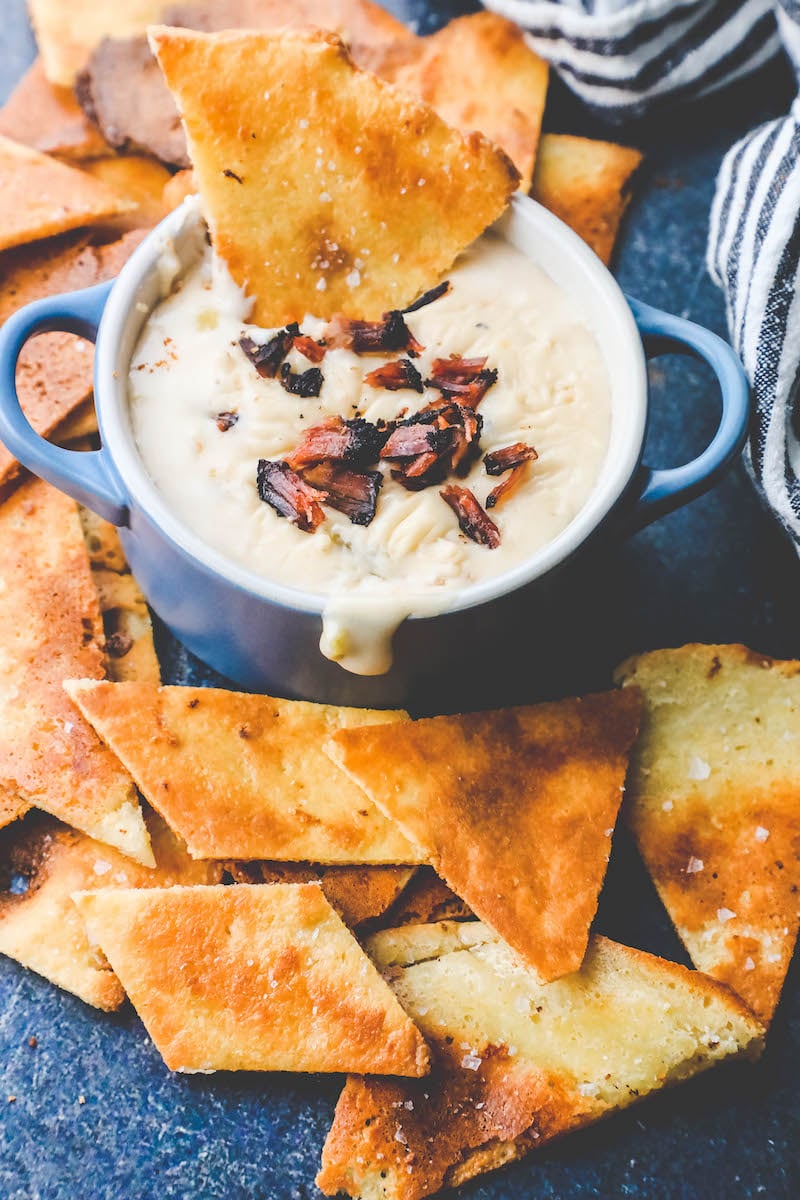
(713, 804)
(138, 178)
(130, 653)
(242, 776)
(515, 809)
(42, 862)
(516, 1062)
(49, 756)
(478, 73)
(427, 899)
(263, 978)
(326, 189)
(353, 20)
(54, 373)
(49, 119)
(78, 427)
(41, 197)
(587, 184)
(68, 30)
(359, 894)
(178, 188)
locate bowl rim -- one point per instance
(111, 377)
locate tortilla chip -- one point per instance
(478, 73)
(263, 978)
(515, 809)
(427, 899)
(138, 178)
(42, 862)
(54, 374)
(178, 188)
(41, 197)
(586, 184)
(49, 119)
(240, 776)
(516, 1062)
(66, 33)
(49, 612)
(713, 803)
(373, 221)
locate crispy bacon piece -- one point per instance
(500, 461)
(510, 484)
(465, 427)
(469, 394)
(390, 334)
(354, 493)
(415, 436)
(268, 357)
(394, 376)
(305, 383)
(354, 443)
(428, 297)
(440, 438)
(290, 495)
(313, 351)
(472, 520)
(226, 420)
(455, 370)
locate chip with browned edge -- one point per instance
(514, 808)
(516, 1062)
(49, 119)
(587, 184)
(326, 189)
(263, 978)
(141, 180)
(241, 776)
(359, 894)
(714, 804)
(41, 196)
(50, 616)
(68, 30)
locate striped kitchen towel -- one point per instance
(628, 57)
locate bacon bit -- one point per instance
(414, 437)
(355, 443)
(438, 439)
(509, 485)
(465, 426)
(226, 421)
(289, 494)
(354, 493)
(456, 369)
(428, 297)
(394, 376)
(468, 393)
(373, 337)
(267, 357)
(472, 520)
(313, 351)
(306, 383)
(509, 457)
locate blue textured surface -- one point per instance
(716, 570)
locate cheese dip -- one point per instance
(203, 417)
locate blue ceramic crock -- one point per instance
(265, 636)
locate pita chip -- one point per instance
(713, 802)
(353, 20)
(426, 900)
(359, 894)
(66, 33)
(360, 229)
(241, 776)
(41, 197)
(49, 119)
(130, 652)
(516, 1062)
(78, 428)
(178, 188)
(587, 184)
(42, 862)
(49, 756)
(478, 73)
(140, 180)
(515, 810)
(262, 978)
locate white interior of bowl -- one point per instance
(527, 226)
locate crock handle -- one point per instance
(663, 489)
(88, 477)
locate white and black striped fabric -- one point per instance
(625, 57)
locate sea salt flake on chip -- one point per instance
(249, 155)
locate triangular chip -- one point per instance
(359, 894)
(516, 1062)
(426, 899)
(68, 30)
(714, 806)
(41, 197)
(49, 612)
(515, 809)
(262, 978)
(587, 184)
(326, 189)
(240, 776)
(42, 862)
(478, 73)
(49, 119)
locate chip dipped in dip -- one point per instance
(386, 467)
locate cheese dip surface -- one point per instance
(202, 418)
